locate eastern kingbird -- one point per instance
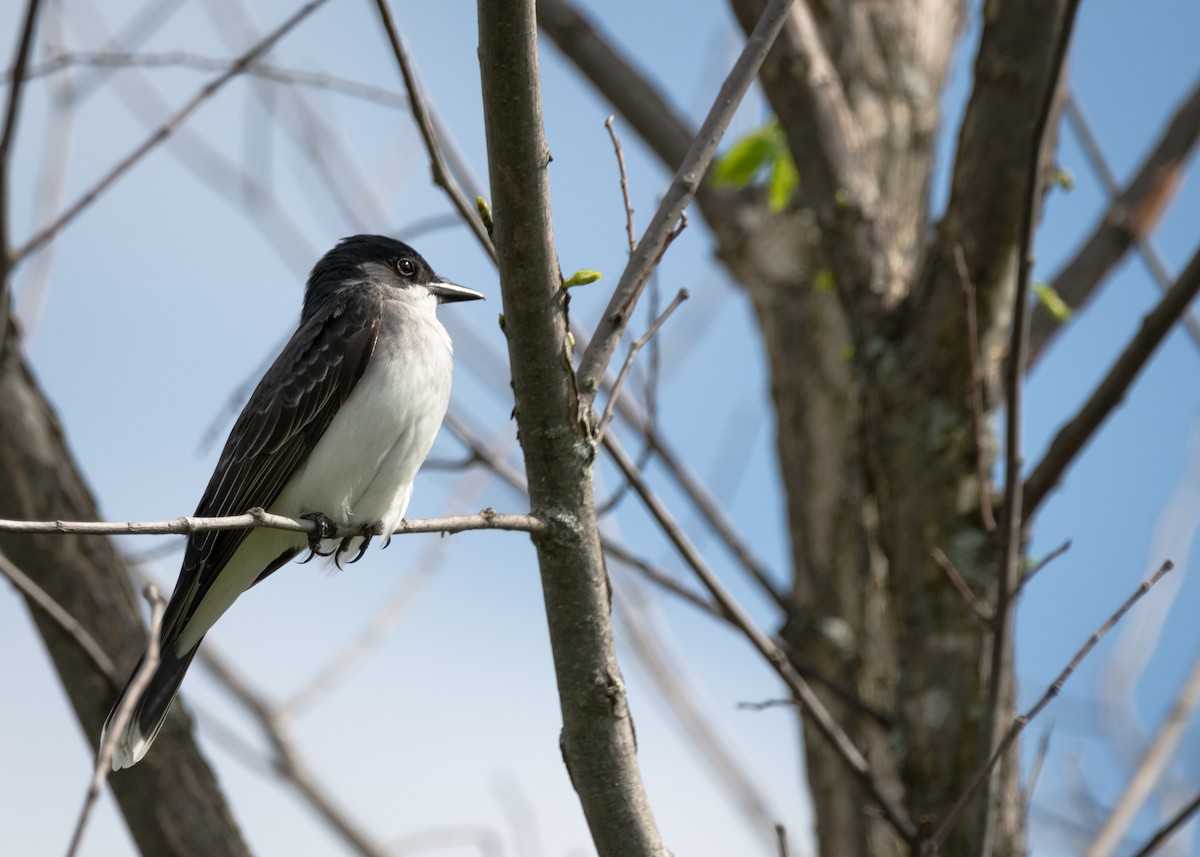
(334, 432)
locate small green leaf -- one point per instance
(581, 278)
(485, 213)
(823, 282)
(739, 166)
(1063, 179)
(783, 181)
(1053, 304)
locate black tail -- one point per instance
(151, 708)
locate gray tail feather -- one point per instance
(152, 707)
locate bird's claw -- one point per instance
(369, 531)
(325, 529)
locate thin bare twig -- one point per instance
(816, 711)
(286, 760)
(612, 133)
(437, 163)
(1021, 721)
(60, 615)
(257, 518)
(11, 112)
(123, 714)
(1150, 768)
(633, 351)
(964, 589)
(164, 131)
(981, 469)
(1075, 434)
(1011, 544)
(1044, 561)
(185, 59)
(594, 362)
(1169, 829)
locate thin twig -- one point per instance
(608, 123)
(186, 59)
(818, 715)
(1159, 753)
(112, 735)
(164, 131)
(1035, 770)
(1168, 830)
(257, 518)
(637, 346)
(1011, 545)
(420, 112)
(286, 760)
(1021, 721)
(1075, 434)
(981, 469)
(781, 837)
(1044, 561)
(11, 112)
(690, 174)
(964, 589)
(60, 615)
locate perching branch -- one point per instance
(688, 177)
(257, 518)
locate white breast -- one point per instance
(362, 468)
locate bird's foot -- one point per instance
(325, 529)
(369, 532)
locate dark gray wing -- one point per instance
(281, 423)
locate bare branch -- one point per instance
(1151, 767)
(820, 717)
(257, 518)
(437, 163)
(164, 131)
(1076, 433)
(655, 120)
(1020, 722)
(1044, 561)
(60, 615)
(186, 59)
(612, 133)
(687, 179)
(1169, 829)
(964, 589)
(286, 760)
(981, 474)
(1011, 536)
(1132, 214)
(123, 714)
(11, 112)
(554, 425)
(637, 346)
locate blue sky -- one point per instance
(164, 297)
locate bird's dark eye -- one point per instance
(406, 266)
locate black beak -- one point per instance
(447, 292)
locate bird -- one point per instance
(334, 432)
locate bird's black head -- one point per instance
(377, 259)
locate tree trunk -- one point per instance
(170, 801)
